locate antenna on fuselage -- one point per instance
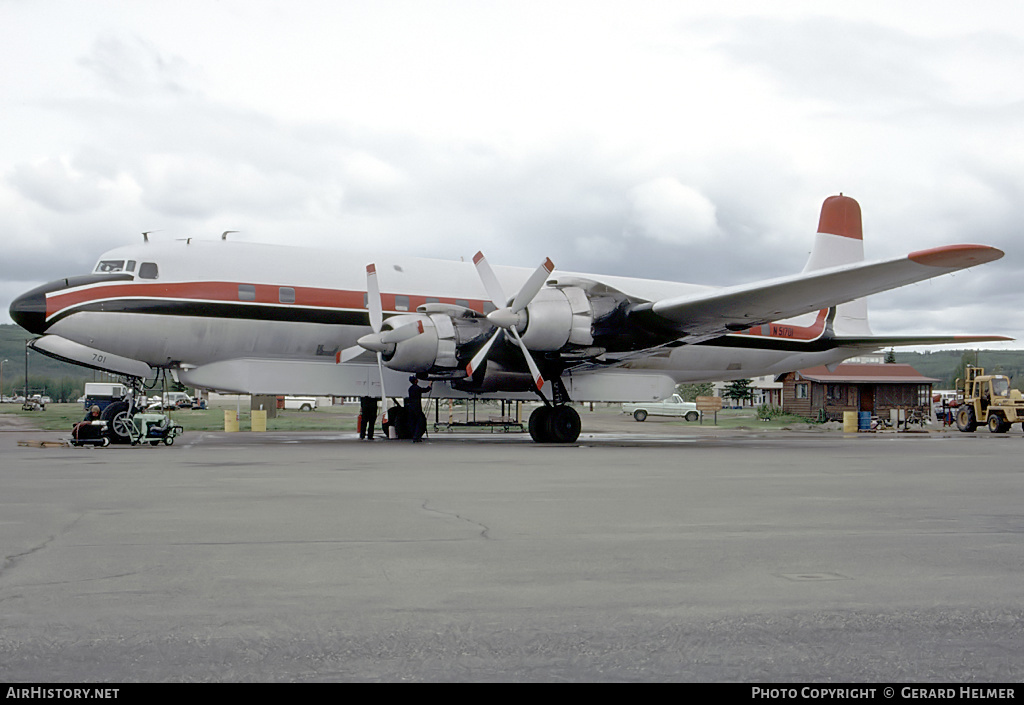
(145, 235)
(224, 235)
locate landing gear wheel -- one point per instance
(564, 424)
(640, 415)
(540, 424)
(996, 424)
(554, 424)
(119, 421)
(965, 420)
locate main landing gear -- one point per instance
(556, 421)
(554, 424)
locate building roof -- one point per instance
(886, 373)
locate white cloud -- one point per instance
(54, 184)
(668, 211)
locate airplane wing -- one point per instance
(711, 314)
(888, 341)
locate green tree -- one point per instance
(739, 390)
(890, 357)
(690, 392)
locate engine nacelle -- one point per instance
(558, 317)
(432, 349)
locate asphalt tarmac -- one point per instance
(704, 556)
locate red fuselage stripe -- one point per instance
(228, 292)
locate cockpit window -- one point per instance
(148, 270)
(110, 265)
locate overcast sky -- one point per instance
(673, 140)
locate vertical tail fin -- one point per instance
(840, 240)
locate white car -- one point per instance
(673, 406)
(300, 403)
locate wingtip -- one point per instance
(956, 256)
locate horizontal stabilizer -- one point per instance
(719, 311)
(68, 351)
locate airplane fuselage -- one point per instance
(255, 318)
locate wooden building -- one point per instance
(856, 387)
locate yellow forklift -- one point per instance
(988, 399)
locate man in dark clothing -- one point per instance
(414, 409)
(79, 429)
(368, 417)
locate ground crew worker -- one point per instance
(367, 416)
(414, 409)
(93, 415)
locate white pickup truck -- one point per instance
(673, 406)
(300, 403)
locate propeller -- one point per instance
(379, 341)
(508, 317)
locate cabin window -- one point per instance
(432, 300)
(401, 303)
(286, 295)
(110, 265)
(462, 302)
(488, 307)
(246, 292)
(801, 391)
(148, 270)
(1000, 386)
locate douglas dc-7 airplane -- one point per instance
(263, 319)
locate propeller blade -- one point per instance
(532, 286)
(397, 335)
(491, 284)
(534, 370)
(383, 394)
(349, 354)
(373, 298)
(481, 355)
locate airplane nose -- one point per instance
(29, 309)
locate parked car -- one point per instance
(673, 406)
(170, 400)
(300, 403)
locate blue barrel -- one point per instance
(864, 421)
